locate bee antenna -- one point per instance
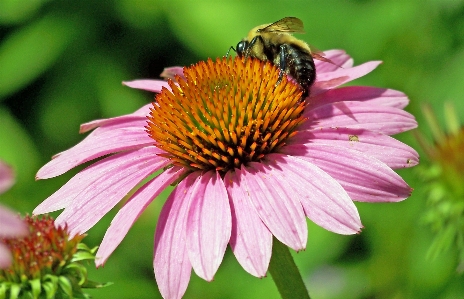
(228, 51)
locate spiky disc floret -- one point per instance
(225, 114)
(46, 263)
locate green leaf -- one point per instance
(82, 256)
(50, 289)
(66, 286)
(79, 271)
(94, 284)
(3, 289)
(36, 287)
(50, 285)
(83, 246)
(15, 289)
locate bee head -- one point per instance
(242, 47)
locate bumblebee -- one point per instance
(275, 43)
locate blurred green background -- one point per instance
(62, 63)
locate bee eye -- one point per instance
(241, 47)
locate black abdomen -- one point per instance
(301, 67)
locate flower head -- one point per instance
(250, 160)
(45, 263)
(208, 124)
(443, 176)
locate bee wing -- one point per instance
(287, 25)
(319, 55)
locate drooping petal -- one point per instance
(11, 225)
(131, 211)
(171, 72)
(250, 241)
(385, 148)
(81, 181)
(171, 263)
(363, 177)
(7, 177)
(140, 114)
(275, 203)
(209, 225)
(330, 80)
(94, 191)
(5, 256)
(149, 85)
(366, 94)
(102, 141)
(324, 200)
(339, 59)
(382, 119)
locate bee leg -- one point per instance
(282, 62)
(252, 43)
(228, 51)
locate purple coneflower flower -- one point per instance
(249, 159)
(46, 263)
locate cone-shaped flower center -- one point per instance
(449, 152)
(224, 114)
(46, 263)
(46, 250)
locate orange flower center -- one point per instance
(225, 113)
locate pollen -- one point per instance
(225, 113)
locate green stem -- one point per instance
(285, 273)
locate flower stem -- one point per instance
(285, 273)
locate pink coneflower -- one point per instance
(249, 160)
(10, 224)
(46, 263)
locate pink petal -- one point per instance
(325, 202)
(131, 211)
(275, 203)
(370, 95)
(149, 85)
(171, 72)
(250, 241)
(121, 136)
(80, 182)
(140, 114)
(385, 120)
(7, 178)
(171, 262)
(341, 76)
(94, 191)
(363, 177)
(11, 225)
(385, 148)
(209, 225)
(5, 256)
(339, 59)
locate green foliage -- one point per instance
(66, 283)
(62, 63)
